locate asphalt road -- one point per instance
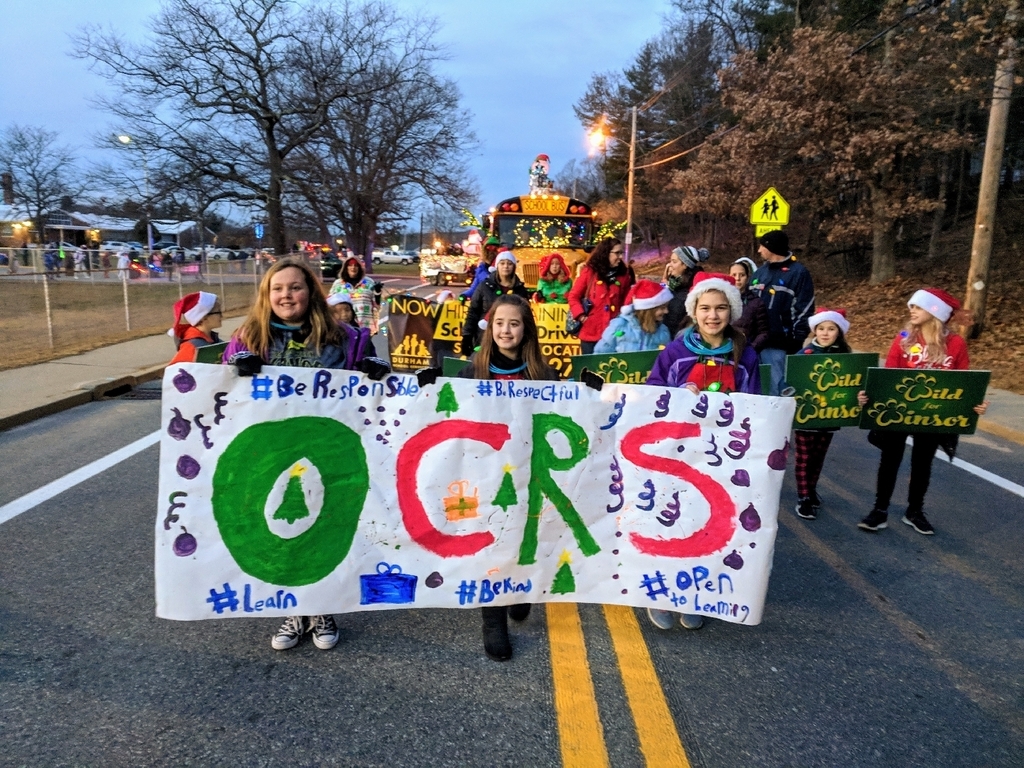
(876, 649)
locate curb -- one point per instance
(1007, 433)
(98, 392)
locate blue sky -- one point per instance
(547, 49)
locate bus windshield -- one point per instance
(543, 231)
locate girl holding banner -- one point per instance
(926, 342)
(711, 356)
(509, 350)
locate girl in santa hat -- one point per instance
(509, 350)
(926, 342)
(554, 282)
(710, 356)
(639, 325)
(828, 337)
(196, 318)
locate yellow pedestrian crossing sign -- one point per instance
(770, 211)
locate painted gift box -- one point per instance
(388, 585)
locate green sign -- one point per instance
(826, 388)
(923, 400)
(211, 353)
(450, 366)
(617, 368)
(765, 372)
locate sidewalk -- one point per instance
(35, 391)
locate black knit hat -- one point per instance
(776, 241)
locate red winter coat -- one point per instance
(606, 297)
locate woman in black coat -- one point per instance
(754, 320)
(501, 282)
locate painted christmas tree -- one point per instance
(446, 400)
(506, 492)
(293, 505)
(565, 582)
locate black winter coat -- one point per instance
(483, 297)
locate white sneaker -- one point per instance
(691, 620)
(289, 634)
(325, 632)
(661, 619)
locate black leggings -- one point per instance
(893, 445)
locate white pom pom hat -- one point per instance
(714, 281)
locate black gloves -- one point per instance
(467, 346)
(247, 364)
(591, 379)
(427, 376)
(374, 367)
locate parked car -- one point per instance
(220, 253)
(393, 257)
(163, 245)
(114, 246)
(330, 266)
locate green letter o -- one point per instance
(245, 475)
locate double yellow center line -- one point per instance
(579, 723)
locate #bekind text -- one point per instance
(516, 390)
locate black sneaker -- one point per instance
(916, 520)
(816, 500)
(875, 521)
(806, 509)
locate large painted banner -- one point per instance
(309, 491)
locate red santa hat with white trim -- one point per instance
(646, 294)
(190, 309)
(936, 302)
(837, 316)
(715, 281)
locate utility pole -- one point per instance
(629, 190)
(995, 141)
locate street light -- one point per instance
(598, 138)
(126, 140)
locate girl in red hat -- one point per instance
(710, 356)
(196, 319)
(554, 282)
(640, 325)
(926, 342)
(828, 337)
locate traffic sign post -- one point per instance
(770, 211)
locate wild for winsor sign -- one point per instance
(923, 400)
(306, 491)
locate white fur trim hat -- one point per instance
(837, 316)
(714, 281)
(505, 256)
(646, 294)
(936, 302)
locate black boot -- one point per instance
(496, 643)
(519, 612)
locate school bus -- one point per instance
(537, 224)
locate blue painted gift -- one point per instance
(388, 585)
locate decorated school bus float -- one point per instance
(532, 226)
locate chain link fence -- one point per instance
(51, 306)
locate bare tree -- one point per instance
(234, 87)
(381, 150)
(42, 171)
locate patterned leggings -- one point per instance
(811, 449)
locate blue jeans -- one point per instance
(776, 358)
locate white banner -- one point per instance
(308, 491)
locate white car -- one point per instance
(220, 253)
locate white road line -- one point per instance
(984, 474)
(48, 491)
